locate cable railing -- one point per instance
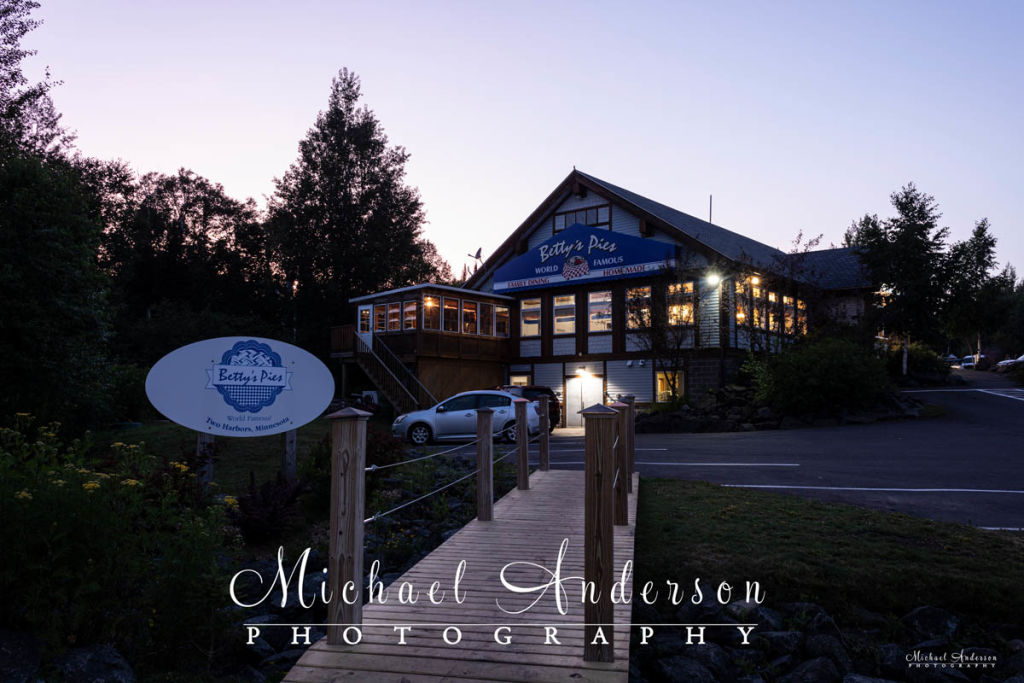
(428, 456)
(608, 450)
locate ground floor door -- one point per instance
(581, 391)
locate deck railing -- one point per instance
(608, 444)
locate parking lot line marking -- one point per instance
(868, 488)
(1004, 395)
(935, 391)
(694, 464)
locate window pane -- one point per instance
(559, 222)
(668, 386)
(501, 321)
(380, 312)
(486, 319)
(565, 314)
(680, 303)
(451, 315)
(461, 403)
(364, 320)
(600, 311)
(431, 313)
(638, 307)
(602, 214)
(493, 401)
(394, 317)
(529, 325)
(469, 317)
(409, 315)
(591, 216)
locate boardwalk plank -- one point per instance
(528, 526)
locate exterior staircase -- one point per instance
(391, 377)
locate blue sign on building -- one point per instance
(582, 253)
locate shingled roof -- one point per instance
(826, 268)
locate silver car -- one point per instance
(455, 418)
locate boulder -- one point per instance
(680, 669)
(927, 623)
(858, 678)
(823, 625)
(829, 646)
(714, 658)
(892, 660)
(820, 670)
(19, 657)
(94, 664)
(779, 643)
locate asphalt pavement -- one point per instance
(965, 466)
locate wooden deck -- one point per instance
(529, 527)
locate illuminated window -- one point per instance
(680, 303)
(638, 305)
(600, 304)
(451, 315)
(409, 315)
(469, 317)
(669, 384)
(595, 216)
(789, 311)
(801, 316)
(364, 320)
(565, 314)
(380, 317)
(529, 321)
(431, 313)
(519, 380)
(742, 311)
(772, 297)
(394, 317)
(501, 321)
(486, 319)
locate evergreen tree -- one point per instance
(903, 255)
(342, 221)
(971, 307)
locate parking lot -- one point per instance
(966, 466)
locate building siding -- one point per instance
(549, 375)
(708, 315)
(636, 380)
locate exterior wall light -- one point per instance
(713, 279)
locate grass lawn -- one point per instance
(838, 556)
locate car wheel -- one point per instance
(510, 432)
(419, 434)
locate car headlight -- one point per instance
(400, 419)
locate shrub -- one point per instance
(921, 362)
(824, 376)
(122, 556)
(315, 470)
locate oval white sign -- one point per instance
(240, 386)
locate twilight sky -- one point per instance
(794, 115)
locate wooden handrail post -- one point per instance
(620, 508)
(484, 464)
(545, 432)
(631, 439)
(598, 545)
(522, 444)
(348, 470)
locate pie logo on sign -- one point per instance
(249, 376)
(575, 266)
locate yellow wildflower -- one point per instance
(102, 475)
(23, 495)
(22, 414)
(91, 486)
(131, 482)
(117, 444)
(58, 482)
(231, 501)
(82, 470)
(180, 466)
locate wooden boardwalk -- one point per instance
(529, 527)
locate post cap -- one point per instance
(598, 410)
(619, 405)
(485, 409)
(520, 400)
(349, 414)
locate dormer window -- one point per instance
(594, 216)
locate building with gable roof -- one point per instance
(576, 296)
